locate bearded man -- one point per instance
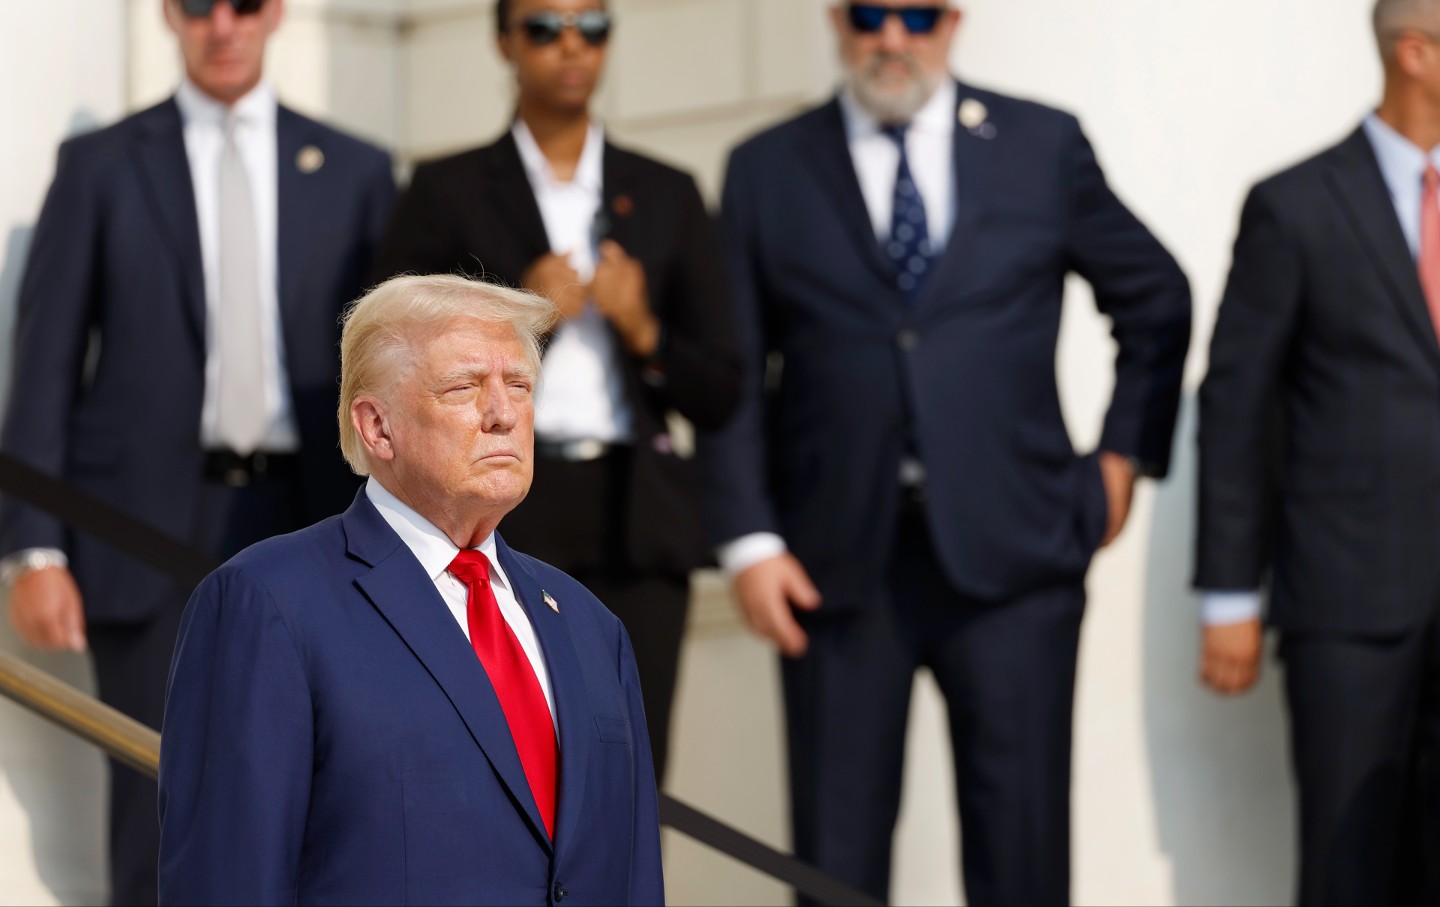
(898, 489)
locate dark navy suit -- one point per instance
(109, 375)
(1320, 472)
(979, 575)
(331, 738)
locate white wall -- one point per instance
(61, 72)
(1178, 798)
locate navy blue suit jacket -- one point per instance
(331, 738)
(1320, 415)
(109, 367)
(967, 369)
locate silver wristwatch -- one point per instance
(22, 562)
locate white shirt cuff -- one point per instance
(1229, 607)
(740, 554)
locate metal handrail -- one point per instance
(120, 736)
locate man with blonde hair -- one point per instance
(392, 706)
(1319, 461)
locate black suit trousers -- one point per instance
(132, 663)
(1365, 738)
(1007, 672)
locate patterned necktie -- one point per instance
(516, 686)
(908, 246)
(1429, 262)
(240, 413)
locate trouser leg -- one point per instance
(1353, 704)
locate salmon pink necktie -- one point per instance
(1430, 244)
(515, 683)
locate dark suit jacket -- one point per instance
(1324, 363)
(331, 738)
(475, 213)
(110, 338)
(967, 368)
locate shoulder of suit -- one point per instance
(1302, 175)
(292, 560)
(647, 168)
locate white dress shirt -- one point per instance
(436, 552)
(582, 394)
(204, 129)
(1402, 164)
(929, 146)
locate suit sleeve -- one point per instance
(700, 362)
(1140, 287)
(237, 751)
(1240, 400)
(416, 241)
(647, 882)
(55, 311)
(733, 459)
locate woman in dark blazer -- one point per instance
(624, 246)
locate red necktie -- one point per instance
(1430, 244)
(513, 678)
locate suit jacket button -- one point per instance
(560, 893)
(907, 340)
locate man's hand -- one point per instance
(1230, 656)
(1119, 479)
(46, 611)
(552, 277)
(767, 591)
(622, 296)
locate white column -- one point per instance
(61, 73)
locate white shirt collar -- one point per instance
(1402, 162)
(431, 547)
(589, 172)
(936, 118)
(258, 106)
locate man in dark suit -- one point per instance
(175, 356)
(624, 246)
(899, 471)
(333, 737)
(1319, 458)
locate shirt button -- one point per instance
(907, 340)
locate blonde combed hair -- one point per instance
(377, 345)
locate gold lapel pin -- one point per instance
(310, 159)
(550, 600)
(972, 113)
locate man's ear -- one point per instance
(371, 422)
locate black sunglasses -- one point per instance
(200, 9)
(545, 28)
(918, 20)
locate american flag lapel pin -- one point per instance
(550, 600)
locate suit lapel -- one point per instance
(618, 190)
(165, 168)
(397, 586)
(298, 204)
(515, 197)
(970, 166)
(567, 685)
(1354, 176)
(828, 147)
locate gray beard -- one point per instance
(891, 106)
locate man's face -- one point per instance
(462, 420)
(224, 52)
(892, 70)
(558, 72)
